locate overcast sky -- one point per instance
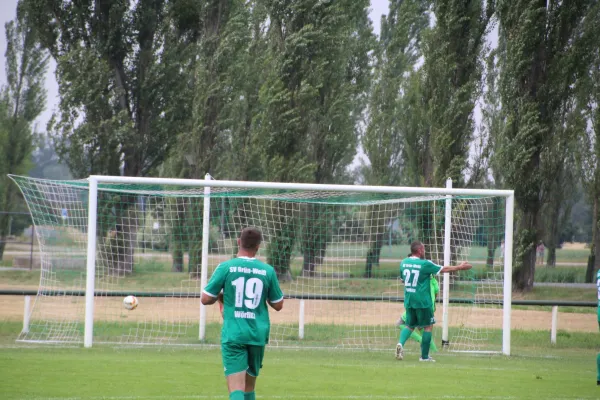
(8, 11)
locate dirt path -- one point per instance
(181, 310)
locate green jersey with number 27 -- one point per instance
(416, 274)
(247, 284)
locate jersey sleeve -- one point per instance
(275, 294)
(431, 268)
(216, 282)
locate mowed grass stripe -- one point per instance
(120, 374)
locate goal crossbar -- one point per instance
(302, 186)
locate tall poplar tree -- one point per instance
(398, 51)
(21, 102)
(311, 103)
(540, 66)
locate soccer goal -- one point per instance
(336, 249)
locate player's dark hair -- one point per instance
(250, 238)
(415, 246)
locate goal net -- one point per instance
(336, 249)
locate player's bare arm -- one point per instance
(207, 299)
(461, 267)
(276, 306)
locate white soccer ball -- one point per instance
(130, 302)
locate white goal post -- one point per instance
(458, 225)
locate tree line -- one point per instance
(289, 90)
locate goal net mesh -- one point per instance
(337, 255)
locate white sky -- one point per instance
(8, 12)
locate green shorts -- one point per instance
(242, 357)
(419, 317)
(599, 311)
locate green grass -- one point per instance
(476, 253)
(552, 293)
(168, 281)
(316, 335)
(561, 274)
(6, 262)
(150, 373)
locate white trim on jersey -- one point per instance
(210, 294)
(439, 266)
(276, 301)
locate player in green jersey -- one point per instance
(598, 356)
(416, 273)
(435, 289)
(247, 286)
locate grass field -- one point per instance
(157, 275)
(537, 369)
(149, 373)
(566, 256)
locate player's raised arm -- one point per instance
(461, 267)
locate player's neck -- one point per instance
(246, 253)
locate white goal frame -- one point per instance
(208, 183)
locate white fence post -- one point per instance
(26, 314)
(301, 320)
(554, 324)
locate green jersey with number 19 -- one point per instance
(416, 274)
(247, 284)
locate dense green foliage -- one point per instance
(22, 100)
(541, 63)
(291, 90)
(586, 117)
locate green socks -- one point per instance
(425, 345)
(237, 395)
(433, 347)
(415, 336)
(598, 366)
(404, 335)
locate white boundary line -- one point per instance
(367, 397)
